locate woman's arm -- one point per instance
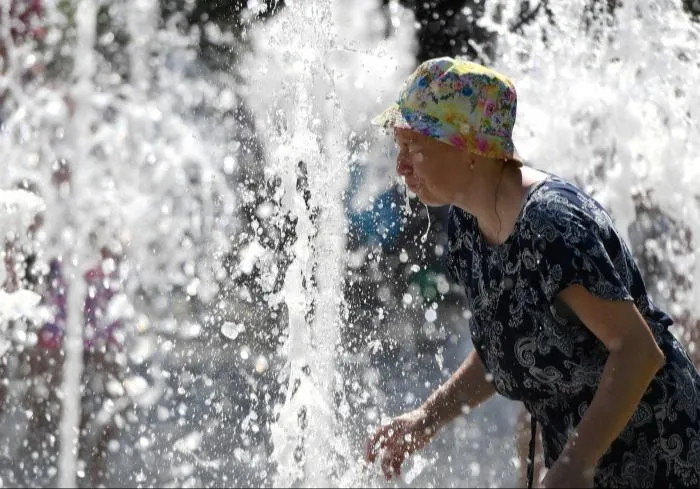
(633, 361)
(467, 387)
(411, 431)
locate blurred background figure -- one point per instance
(25, 26)
(108, 323)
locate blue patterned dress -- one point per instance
(537, 350)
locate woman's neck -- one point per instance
(497, 198)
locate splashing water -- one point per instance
(117, 154)
(608, 106)
(613, 109)
(310, 68)
(18, 209)
(152, 155)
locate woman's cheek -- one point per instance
(418, 163)
(417, 158)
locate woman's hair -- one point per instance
(495, 197)
(510, 161)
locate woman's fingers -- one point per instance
(391, 462)
(396, 441)
(386, 465)
(372, 443)
(380, 438)
(390, 438)
(396, 464)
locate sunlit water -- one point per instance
(147, 175)
(620, 116)
(315, 78)
(156, 146)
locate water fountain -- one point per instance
(155, 151)
(18, 209)
(618, 115)
(593, 107)
(139, 170)
(301, 84)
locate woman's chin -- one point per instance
(429, 199)
(433, 202)
(424, 195)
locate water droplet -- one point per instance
(232, 330)
(261, 364)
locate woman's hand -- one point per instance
(568, 473)
(468, 387)
(398, 439)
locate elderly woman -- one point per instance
(561, 319)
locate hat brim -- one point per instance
(392, 117)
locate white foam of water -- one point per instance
(615, 115)
(315, 80)
(619, 115)
(145, 171)
(18, 209)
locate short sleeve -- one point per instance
(572, 245)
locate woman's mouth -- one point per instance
(413, 185)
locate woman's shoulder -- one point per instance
(559, 205)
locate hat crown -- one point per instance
(460, 103)
(466, 95)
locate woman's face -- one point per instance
(427, 166)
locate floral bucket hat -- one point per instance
(460, 103)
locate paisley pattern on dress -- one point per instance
(537, 350)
